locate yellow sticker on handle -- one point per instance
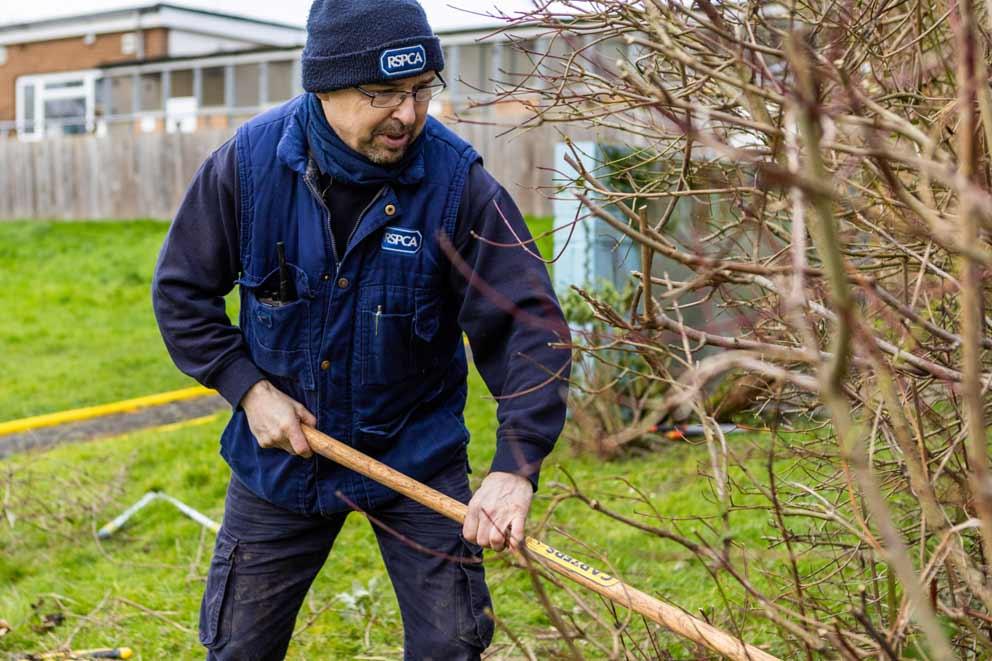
(570, 564)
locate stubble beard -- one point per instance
(381, 155)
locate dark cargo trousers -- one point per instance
(265, 559)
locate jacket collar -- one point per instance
(292, 147)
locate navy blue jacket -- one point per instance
(371, 344)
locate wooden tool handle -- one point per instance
(671, 617)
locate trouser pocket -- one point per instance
(212, 632)
(475, 627)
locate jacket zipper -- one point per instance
(327, 214)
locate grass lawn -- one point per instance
(78, 328)
(79, 331)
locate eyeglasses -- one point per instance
(420, 94)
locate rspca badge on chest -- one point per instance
(397, 239)
(403, 61)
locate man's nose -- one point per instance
(406, 112)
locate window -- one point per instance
(487, 65)
(280, 81)
(452, 68)
(246, 90)
(55, 104)
(213, 87)
(67, 116)
(519, 63)
(129, 43)
(3, 55)
(151, 91)
(28, 96)
(64, 85)
(121, 95)
(101, 99)
(604, 55)
(469, 69)
(181, 83)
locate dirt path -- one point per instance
(110, 425)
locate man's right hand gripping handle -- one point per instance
(275, 418)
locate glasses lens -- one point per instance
(388, 99)
(425, 94)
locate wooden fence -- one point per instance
(126, 174)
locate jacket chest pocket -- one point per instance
(396, 325)
(277, 332)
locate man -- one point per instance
(352, 221)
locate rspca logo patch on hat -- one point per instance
(397, 239)
(403, 61)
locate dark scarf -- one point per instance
(342, 163)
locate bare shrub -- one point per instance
(843, 150)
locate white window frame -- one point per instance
(129, 43)
(88, 78)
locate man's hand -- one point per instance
(274, 418)
(501, 503)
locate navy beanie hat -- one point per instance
(355, 42)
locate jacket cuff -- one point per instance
(520, 456)
(236, 379)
